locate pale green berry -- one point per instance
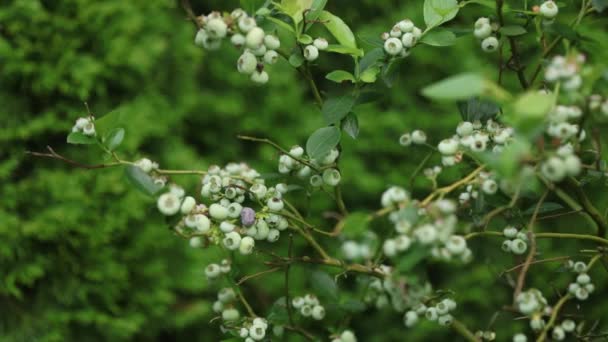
(348, 336)
(297, 302)
(212, 271)
(216, 28)
(393, 46)
(230, 315)
(579, 267)
(168, 204)
(306, 310)
(254, 38)
(188, 204)
(518, 246)
(456, 244)
(331, 177)
(201, 37)
(320, 43)
(510, 232)
(581, 294)
(408, 40)
(247, 63)
(583, 279)
(272, 42)
(405, 25)
(572, 165)
(520, 338)
(553, 169)
(218, 211)
(311, 53)
(232, 241)
(405, 139)
(549, 9)
(483, 31)
(558, 333)
(448, 146)
(275, 204)
(273, 235)
(260, 77)
(489, 44)
(568, 325)
(418, 137)
(445, 320)
(431, 314)
(246, 246)
(316, 181)
(506, 246)
(259, 52)
(89, 129)
(489, 186)
(271, 57)
(202, 223)
(257, 332)
(196, 242)
(246, 24)
(389, 248)
(417, 32)
(318, 312)
(410, 319)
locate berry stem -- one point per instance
(460, 328)
(553, 318)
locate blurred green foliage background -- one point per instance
(85, 257)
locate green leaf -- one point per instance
(79, 138)
(322, 141)
(278, 312)
(315, 10)
(487, 3)
(355, 224)
(141, 180)
(338, 29)
(295, 8)
(599, 5)
(512, 30)
(114, 138)
(113, 119)
(350, 125)
(439, 38)
(459, 87)
(475, 109)
(280, 23)
(345, 50)
(533, 104)
(250, 6)
(340, 76)
(353, 305)
(370, 58)
(296, 59)
(437, 12)
(305, 39)
(324, 285)
(411, 258)
(335, 108)
(370, 74)
(546, 207)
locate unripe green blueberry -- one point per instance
(275, 204)
(247, 63)
(348, 336)
(418, 137)
(520, 338)
(316, 181)
(448, 146)
(581, 294)
(403, 243)
(408, 40)
(246, 24)
(456, 244)
(232, 241)
(549, 9)
(188, 204)
(405, 25)
(483, 31)
(257, 332)
(537, 323)
(259, 52)
(573, 287)
(254, 38)
(216, 28)
(331, 177)
(318, 312)
(510, 232)
(168, 204)
(489, 186)
(212, 271)
(273, 235)
(320, 43)
(393, 46)
(410, 319)
(553, 169)
(389, 248)
(202, 223)
(579, 267)
(583, 279)
(306, 310)
(246, 246)
(442, 308)
(518, 246)
(489, 44)
(431, 314)
(230, 315)
(196, 242)
(482, 21)
(272, 42)
(558, 333)
(217, 306)
(445, 320)
(572, 165)
(311, 53)
(589, 287)
(395, 32)
(296, 151)
(405, 139)
(297, 302)
(464, 128)
(271, 57)
(234, 210)
(262, 230)
(568, 325)
(260, 77)
(201, 37)
(218, 211)
(506, 246)
(417, 32)
(226, 295)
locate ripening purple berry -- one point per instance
(247, 217)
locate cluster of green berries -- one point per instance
(440, 313)
(596, 104)
(254, 330)
(416, 137)
(566, 70)
(516, 241)
(484, 31)
(485, 335)
(259, 48)
(401, 39)
(311, 51)
(345, 336)
(213, 270)
(389, 291)
(150, 167)
(582, 287)
(85, 125)
(533, 304)
(561, 164)
(309, 306)
(359, 250)
(484, 182)
(322, 173)
(224, 304)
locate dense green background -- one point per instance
(84, 257)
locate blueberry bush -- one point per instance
(495, 229)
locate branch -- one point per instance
(54, 155)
